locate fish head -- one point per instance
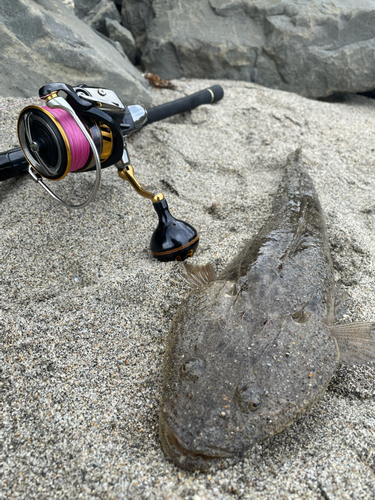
(233, 378)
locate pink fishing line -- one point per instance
(78, 143)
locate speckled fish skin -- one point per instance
(251, 352)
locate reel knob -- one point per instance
(173, 239)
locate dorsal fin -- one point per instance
(356, 342)
(198, 276)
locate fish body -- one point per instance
(251, 351)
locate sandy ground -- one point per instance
(85, 310)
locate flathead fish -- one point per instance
(252, 350)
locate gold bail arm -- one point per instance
(127, 173)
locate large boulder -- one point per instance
(83, 7)
(314, 48)
(136, 16)
(96, 18)
(43, 41)
(117, 33)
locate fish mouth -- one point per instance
(184, 457)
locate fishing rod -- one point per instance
(85, 128)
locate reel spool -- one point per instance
(54, 145)
(71, 134)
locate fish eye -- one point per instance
(248, 399)
(254, 405)
(193, 369)
(301, 316)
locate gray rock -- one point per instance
(314, 48)
(136, 16)
(42, 42)
(118, 47)
(114, 44)
(96, 18)
(123, 36)
(83, 7)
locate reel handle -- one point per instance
(206, 96)
(173, 239)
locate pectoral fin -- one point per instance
(356, 342)
(198, 276)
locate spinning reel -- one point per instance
(84, 128)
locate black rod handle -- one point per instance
(206, 96)
(12, 163)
